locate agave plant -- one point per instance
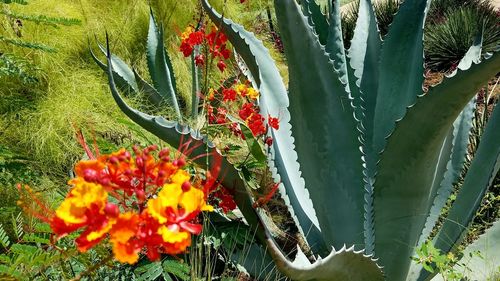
(365, 159)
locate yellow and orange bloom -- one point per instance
(156, 209)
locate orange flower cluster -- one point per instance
(142, 203)
(215, 43)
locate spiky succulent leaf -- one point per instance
(413, 148)
(335, 43)
(274, 101)
(401, 69)
(326, 137)
(363, 57)
(480, 175)
(123, 80)
(144, 87)
(160, 67)
(339, 265)
(316, 18)
(459, 141)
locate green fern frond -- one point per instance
(176, 268)
(4, 238)
(18, 225)
(42, 19)
(29, 45)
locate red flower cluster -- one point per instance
(243, 97)
(225, 199)
(214, 42)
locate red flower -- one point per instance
(221, 65)
(273, 122)
(256, 124)
(196, 38)
(268, 141)
(199, 60)
(226, 201)
(246, 110)
(229, 94)
(186, 49)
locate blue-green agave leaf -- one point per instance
(480, 175)
(363, 57)
(151, 93)
(159, 65)
(274, 101)
(335, 43)
(122, 69)
(458, 152)
(401, 199)
(401, 59)
(326, 137)
(316, 19)
(339, 265)
(124, 84)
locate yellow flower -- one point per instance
(252, 93)
(83, 196)
(187, 32)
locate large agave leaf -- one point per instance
(316, 18)
(274, 101)
(159, 65)
(325, 132)
(401, 69)
(480, 175)
(335, 43)
(454, 151)
(363, 57)
(123, 75)
(339, 265)
(407, 166)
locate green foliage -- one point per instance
(435, 262)
(42, 19)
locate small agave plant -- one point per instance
(365, 159)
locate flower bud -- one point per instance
(186, 186)
(111, 210)
(89, 175)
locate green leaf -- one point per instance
(342, 264)
(454, 156)
(401, 59)
(121, 82)
(123, 70)
(149, 271)
(324, 129)
(335, 43)
(178, 269)
(253, 144)
(151, 93)
(4, 238)
(160, 66)
(22, 2)
(363, 57)
(316, 19)
(480, 175)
